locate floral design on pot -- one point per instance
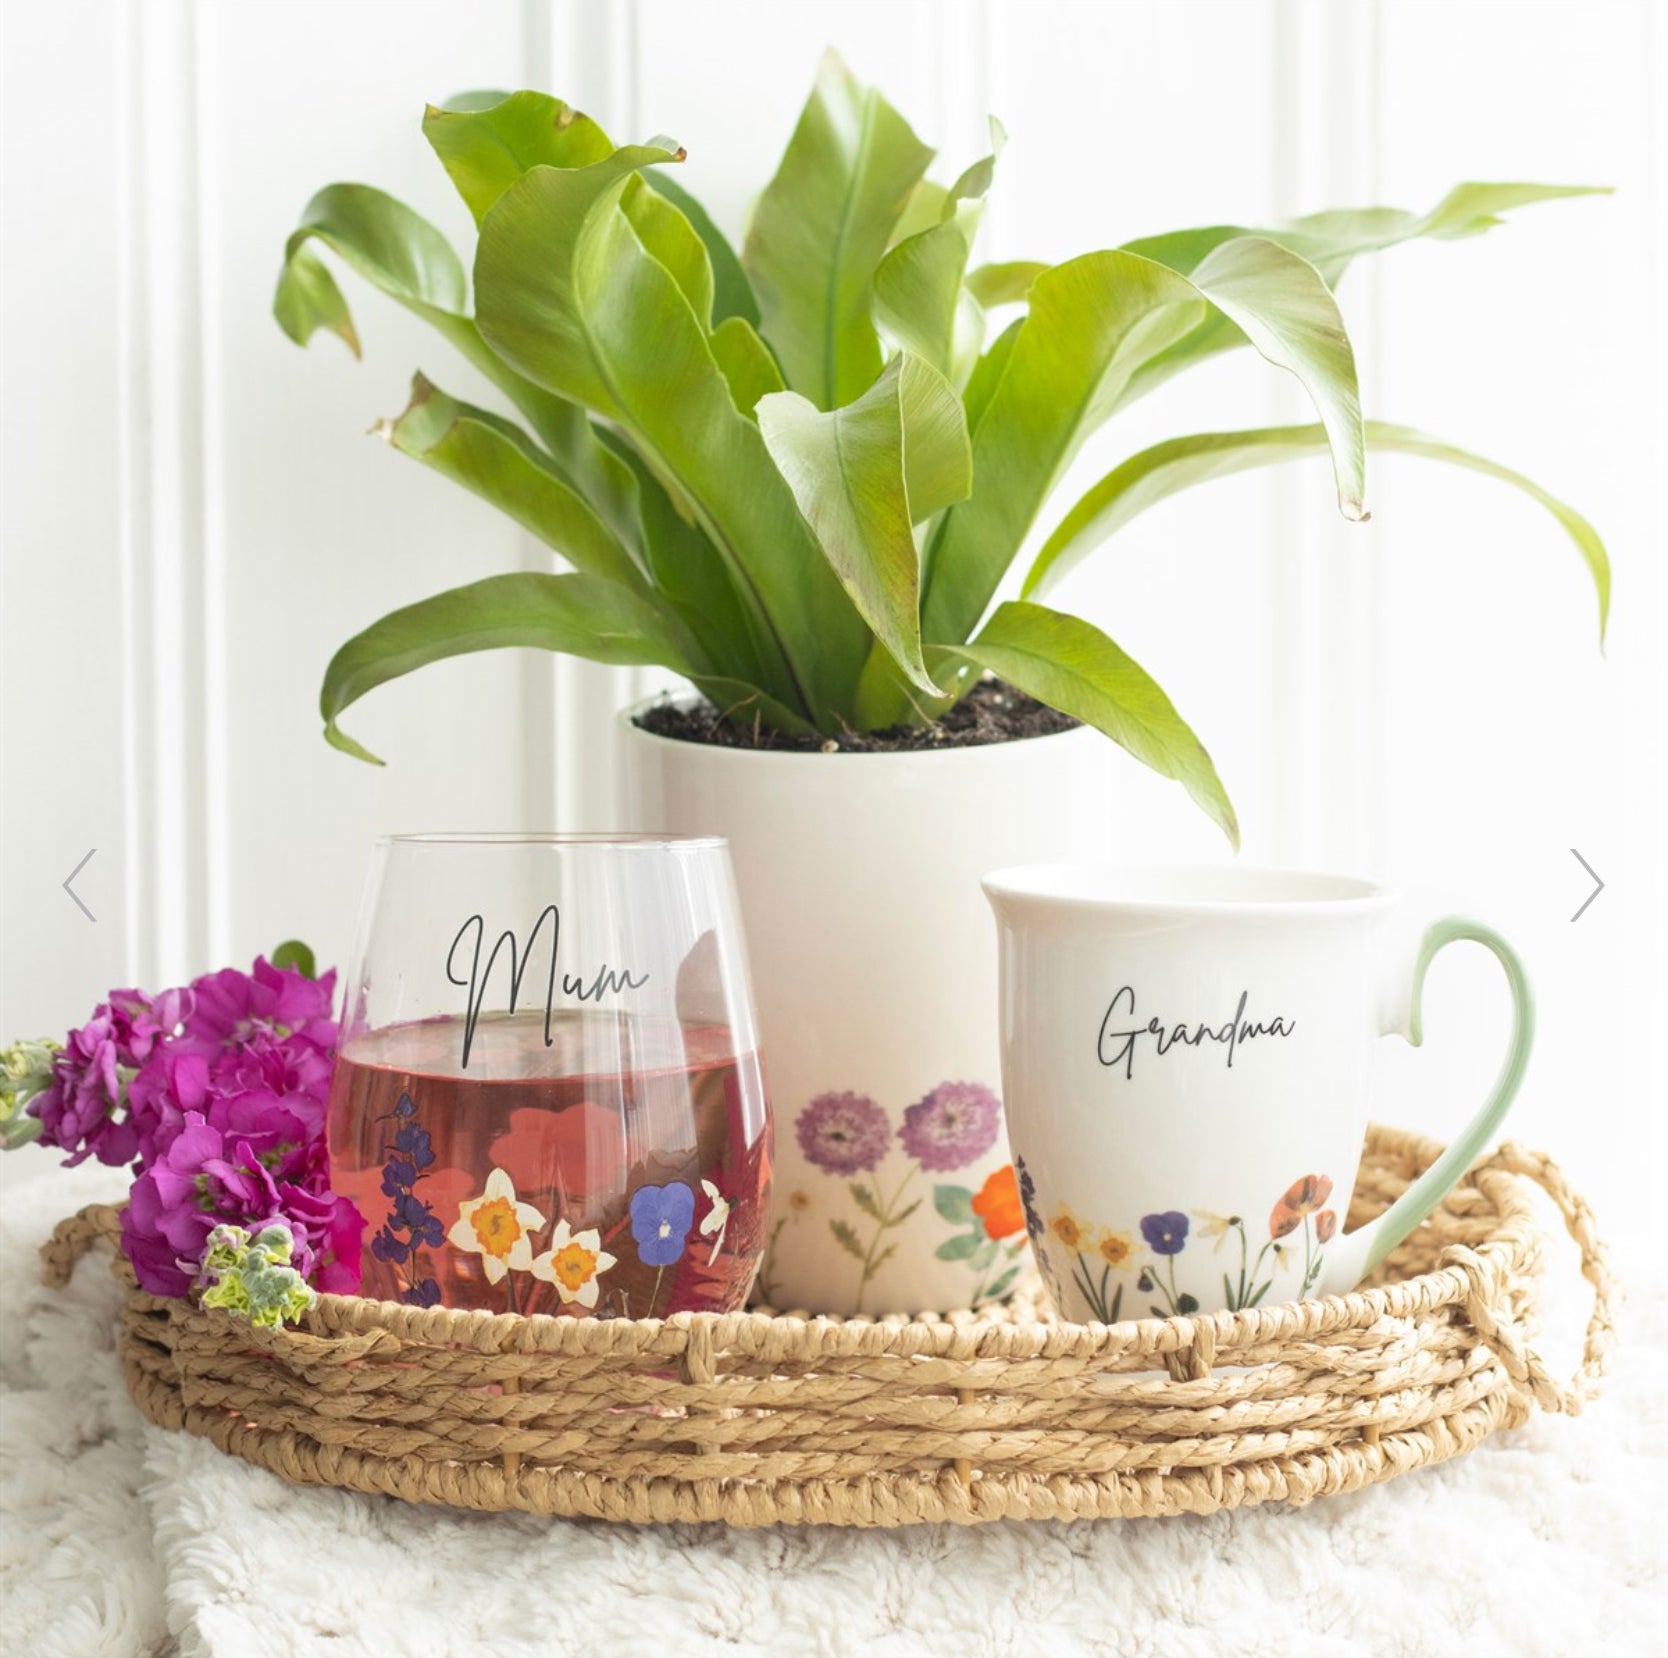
(950, 1127)
(799, 1202)
(843, 1134)
(956, 1124)
(993, 1235)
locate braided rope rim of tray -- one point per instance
(756, 1418)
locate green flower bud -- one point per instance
(25, 1071)
(252, 1277)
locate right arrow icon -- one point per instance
(1597, 889)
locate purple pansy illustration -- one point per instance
(1165, 1233)
(843, 1134)
(954, 1125)
(661, 1217)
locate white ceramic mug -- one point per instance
(1184, 1070)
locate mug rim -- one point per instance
(1106, 887)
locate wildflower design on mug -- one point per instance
(1299, 1228)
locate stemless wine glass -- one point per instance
(548, 1095)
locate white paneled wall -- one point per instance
(193, 518)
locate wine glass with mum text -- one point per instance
(548, 1096)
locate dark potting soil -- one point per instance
(990, 713)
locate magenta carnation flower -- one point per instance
(955, 1124)
(843, 1133)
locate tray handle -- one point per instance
(72, 1237)
(1521, 1360)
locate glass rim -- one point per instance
(592, 840)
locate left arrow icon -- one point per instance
(67, 888)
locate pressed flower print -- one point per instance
(951, 1127)
(717, 1218)
(1067, 1228)
(661, 1217)
(843, 1134)
(1112, 1247)
(956, 1124)
(1028, 1198)
(573, 1263)
(1303, 1198)
(1098, 1257)
(411, 1224)
(497, 1227)
(1166, 1234)
(992, 1235)
(1298, 1214)
(997, 1204)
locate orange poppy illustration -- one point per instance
(997, 1204)
(1302, 1198)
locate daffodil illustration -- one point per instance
(573, 1263)
(498, 1228)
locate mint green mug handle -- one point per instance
(1365, 1247)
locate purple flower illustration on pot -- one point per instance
(843, 1134)
(954, 1125)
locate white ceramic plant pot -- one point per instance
(874, 966)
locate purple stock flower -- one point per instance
(843, 1133)
(1165, 1233)
(956, 1124)
(78, 1113)
(229, 1008)
(218, 1092)
(167, 1086)
(661, 1217)
(247, 1162)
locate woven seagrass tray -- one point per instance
(759, 1419)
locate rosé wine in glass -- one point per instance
(548, 1096)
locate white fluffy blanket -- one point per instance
(122, 1539)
